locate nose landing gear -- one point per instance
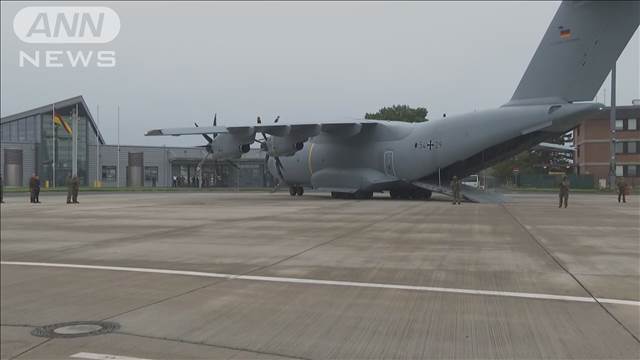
(296, 190)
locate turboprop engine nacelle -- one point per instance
(226, 146)
(284, 146)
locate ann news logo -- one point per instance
(68, 25)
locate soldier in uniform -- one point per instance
(75, 187)
(69, 188)
(564, 191)
(622, 188)
(38, 189)
(32, 188)
(455, 187)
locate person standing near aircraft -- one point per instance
(622, 188)
(564, 191)
(32, 188)
(75, 187)
(455, 187)
(67, 180)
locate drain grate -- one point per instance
(75, 329)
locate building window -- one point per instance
(632, 124)
(619, 170)
(109, 174)
(632, 170)
(150, 173)
(632, 147)
(619, 124)
(619, 147)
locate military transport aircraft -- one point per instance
(410, 160)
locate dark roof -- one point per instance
(59, 104)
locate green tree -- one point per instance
(399, 113)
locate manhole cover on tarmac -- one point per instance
(76, 329)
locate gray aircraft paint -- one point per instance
(581, 44)
(452, 139)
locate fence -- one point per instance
(552, 181)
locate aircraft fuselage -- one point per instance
(396, 153)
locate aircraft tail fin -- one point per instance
(580, 47)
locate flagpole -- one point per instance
(74, 143)
(118, 160)
(97, 146)
(53, 135)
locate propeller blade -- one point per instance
(215, 123)
(207, 137)
(279, 166)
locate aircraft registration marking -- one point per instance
(434, 289)
(428, 144)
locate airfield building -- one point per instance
(27, 147)
(593, 140)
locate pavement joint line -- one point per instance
(164, 232)
(210, 345)
(289, 280)
(231, 277)
(31, 348)
(338, 237)
(598, 301)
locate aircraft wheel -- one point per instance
(292, 191)
(421, 194)
(363, 195)
(299, 191)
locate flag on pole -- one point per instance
(59, 121)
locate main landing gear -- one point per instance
(417, 194)
(359, 195)
(296, 190)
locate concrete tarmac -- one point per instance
(269, 276)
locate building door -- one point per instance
(13, 167)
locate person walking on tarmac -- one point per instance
(75, 187)
(564, 191)
(622, 188)
(455, 187)
(69, 188)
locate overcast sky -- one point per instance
(309, 61)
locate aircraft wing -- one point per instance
(298, 130)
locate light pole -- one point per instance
(612, 125)
(118, 152)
